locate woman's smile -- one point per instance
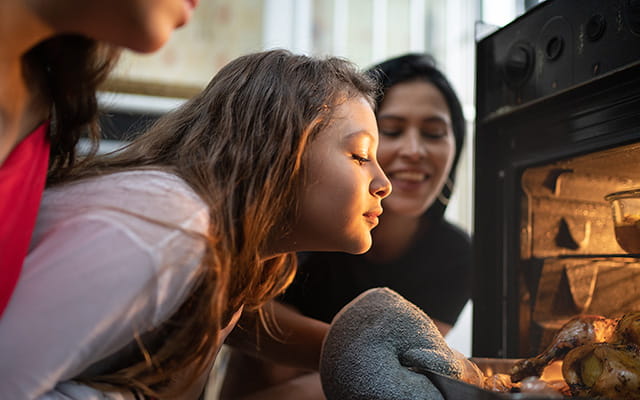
(409, 180)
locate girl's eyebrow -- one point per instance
(358, 133)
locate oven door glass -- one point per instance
(579, 241)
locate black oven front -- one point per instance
(557, 130)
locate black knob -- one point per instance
(595, 28)
(518, 64)
(554, 47)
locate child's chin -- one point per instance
(360, 248)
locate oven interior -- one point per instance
(571, 261)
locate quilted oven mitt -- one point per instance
(376, 346)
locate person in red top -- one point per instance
(53, 56)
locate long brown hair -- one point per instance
(240, 145)
(65, 71)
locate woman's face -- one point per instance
(345, 184)
(141, 25)
(417, 145)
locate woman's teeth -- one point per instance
(410, 176)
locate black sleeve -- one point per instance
(450, 268)
(322, 285)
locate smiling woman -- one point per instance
(417, 145)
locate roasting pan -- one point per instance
(453, 389)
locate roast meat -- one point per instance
(603, 370)
(576, 332)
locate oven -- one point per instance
(557, 130)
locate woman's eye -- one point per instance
(434, 134)
(391, 133)
(361, 160)
(434, 130)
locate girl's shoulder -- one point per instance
(149, 205)
(132, 185)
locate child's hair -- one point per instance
(240, 144)
(66, 71)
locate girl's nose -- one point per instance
(380, 184)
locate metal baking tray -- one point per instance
(453, 389)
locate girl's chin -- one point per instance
(360, 247)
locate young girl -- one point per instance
(415, 251)
(142, 262)
(53, 56)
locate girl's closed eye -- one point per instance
(361, 160)
(359, 147)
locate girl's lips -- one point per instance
(372, 217)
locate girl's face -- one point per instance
(141, 25)
(417, 145)
(345, 184)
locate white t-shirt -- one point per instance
(110, 257)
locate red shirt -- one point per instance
(22, 179)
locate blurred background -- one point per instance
(364, 31)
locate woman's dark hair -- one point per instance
(413, 67)
(66, 71)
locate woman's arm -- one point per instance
(307, 387)
(298, 344)
(443, 327)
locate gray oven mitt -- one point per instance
(375, 346)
